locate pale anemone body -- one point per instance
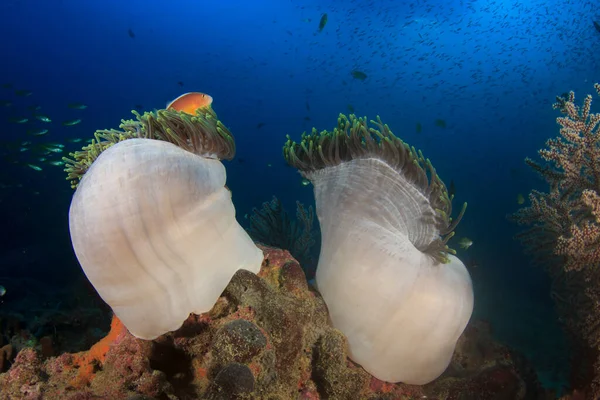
(154, 229)
(401, 312)
(390, 282)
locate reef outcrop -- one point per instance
(267, 337)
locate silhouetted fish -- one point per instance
(597, 25)
(322, 22)
(356, 74)
(131, 34)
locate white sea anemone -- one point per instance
(390, 282)
(154, 229)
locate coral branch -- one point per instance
(272, 225)
(564, 231)
(582, 246)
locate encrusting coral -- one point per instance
(152, 222)
(391, 283)
(564, 232)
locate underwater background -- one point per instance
(470, 83)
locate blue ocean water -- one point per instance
(470, 83)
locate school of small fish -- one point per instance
(35, 140)
(420, 54)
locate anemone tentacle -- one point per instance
(202, 134)
(354, 139)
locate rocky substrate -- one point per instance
(268, 337)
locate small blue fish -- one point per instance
(23, 93)
(37, 132)
(323, 22)
(77, 106)
(71, 122)
(19, 120)
(356, 74)
(34, 167)
(465, 243)
(43, 118)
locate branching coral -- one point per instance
(564, 232)
(391, 283)
(273, 226)
(565, 220)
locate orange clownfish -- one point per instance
(190, 102)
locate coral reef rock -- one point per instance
(268, 337)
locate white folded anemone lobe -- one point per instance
(152, 223)
(391, 283)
